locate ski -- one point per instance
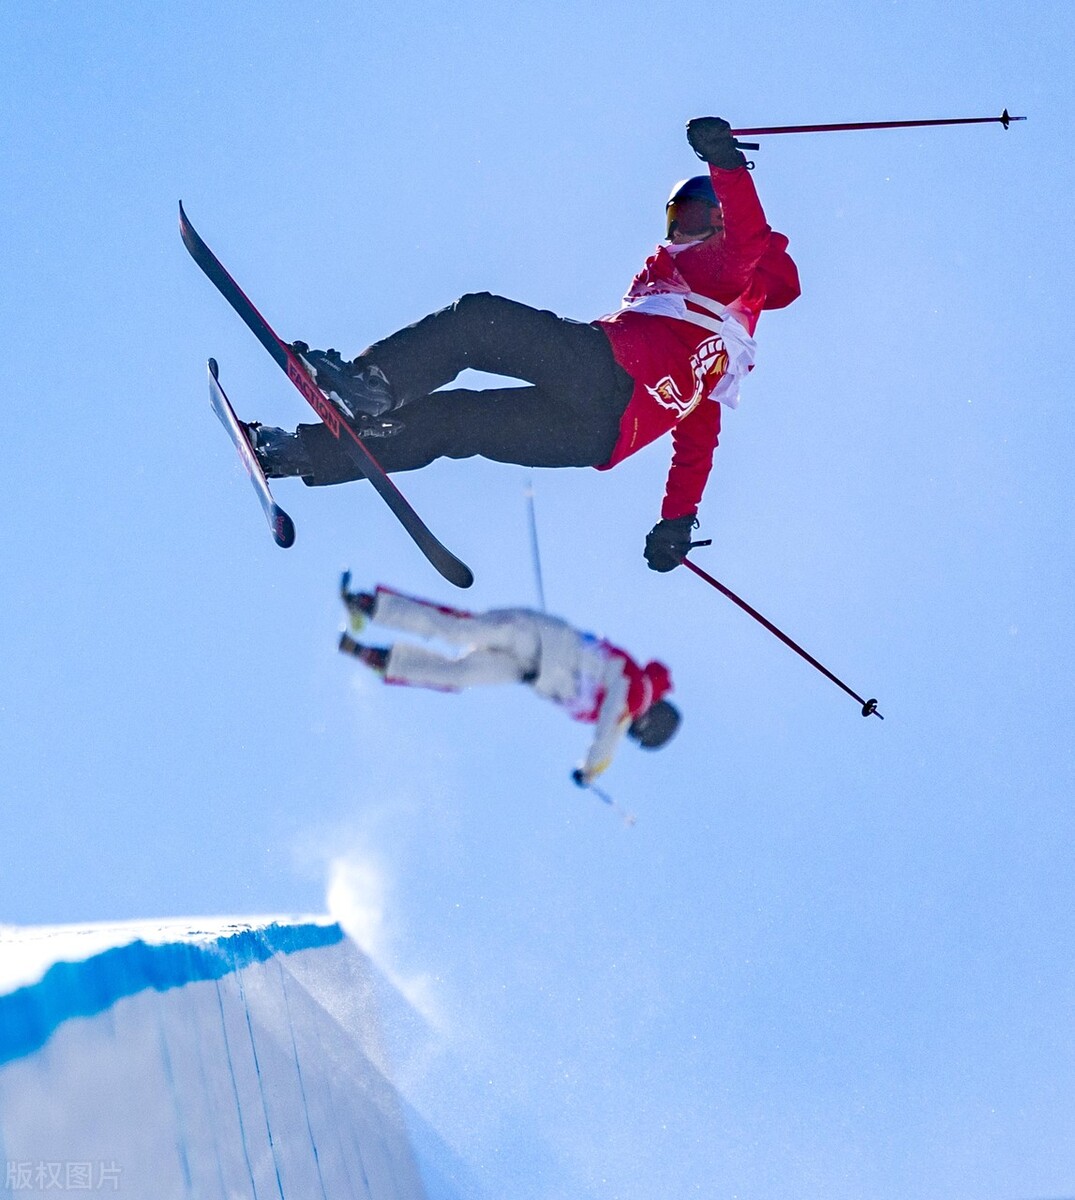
(453, 569)
(282, 526)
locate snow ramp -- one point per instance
(237, 1058)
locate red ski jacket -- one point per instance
(673, 338)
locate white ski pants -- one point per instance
(496, 647)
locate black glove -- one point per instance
(711, 139)
(668, 542)
(578, 777)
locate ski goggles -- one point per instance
(693, 215)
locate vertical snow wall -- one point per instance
(198, 1059)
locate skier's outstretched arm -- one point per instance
(612, 723)
(726, 265)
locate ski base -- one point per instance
(282, 526)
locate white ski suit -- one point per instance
(596, 682)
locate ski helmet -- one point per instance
(653, 728)
(689, 207)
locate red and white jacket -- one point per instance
(685, 335)
(597, 683)
(594, 681)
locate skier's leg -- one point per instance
(311, 452)
(491, 333)
(531, 426)
(512, 425)
(375, 657)
(409, 614)
(524, 425)
(504, 631)
(279, 452)
(419, 667)
(568, 417)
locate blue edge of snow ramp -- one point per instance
(30, 1015)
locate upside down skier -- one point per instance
(667, 360)
(595, 681)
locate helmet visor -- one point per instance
(693, 215)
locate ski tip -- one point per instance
(457, 572)
(186, 232)
(283, 529)
(214, 370)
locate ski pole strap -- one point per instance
(869, 707)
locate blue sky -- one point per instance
(834, 956)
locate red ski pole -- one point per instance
(1003, 119)
(869, 707)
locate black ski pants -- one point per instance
(567, 416)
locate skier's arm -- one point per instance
(723, 267)
(693, 441)
(612, 722)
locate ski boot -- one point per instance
(359, 605)
(362, 394)
(375, 657)
(280, 453)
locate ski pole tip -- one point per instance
(869, 709)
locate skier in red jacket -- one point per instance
(667, 360)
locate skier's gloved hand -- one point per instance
(668, 542)
(578, 777)
(711, 139)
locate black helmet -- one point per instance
(655, 726)
(689, 205)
